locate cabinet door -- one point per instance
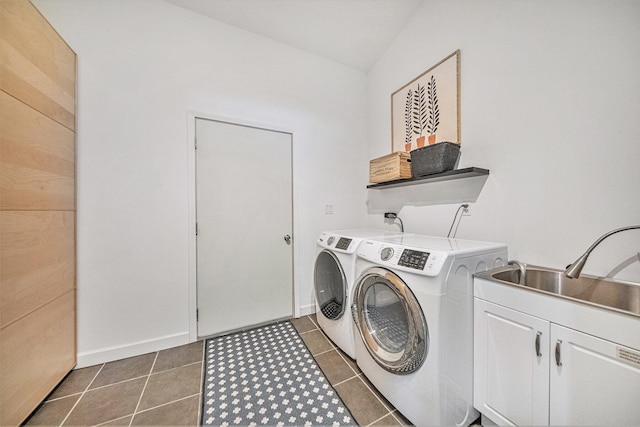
(511, 365)
(593, 381)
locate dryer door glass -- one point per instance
(390, 321)
(330, 285)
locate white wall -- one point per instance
(142, 65)
(550, 103)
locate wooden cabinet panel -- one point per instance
(37, 254)
(37, 352)
(37, 159)
(37, 66)
(37, 209)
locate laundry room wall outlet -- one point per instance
(328, 209)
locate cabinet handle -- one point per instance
(538, 335)
(558, 361)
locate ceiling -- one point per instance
(352, 32)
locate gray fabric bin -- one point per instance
(435, 158)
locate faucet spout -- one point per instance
(522, 267)
(573, 270)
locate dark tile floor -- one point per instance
(163, 388)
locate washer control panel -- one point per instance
(413, 259)
(400, 257)
(386, 254)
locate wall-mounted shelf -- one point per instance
(444, 176)
(455, 186)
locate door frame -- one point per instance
(192, 116)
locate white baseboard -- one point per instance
(109, 354)
(307, 309)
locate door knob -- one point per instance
(287, 238)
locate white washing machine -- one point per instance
(334, 275)
(413, 322)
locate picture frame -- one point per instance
(427, 109)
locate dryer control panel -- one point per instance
(338, 243)
(343, 243)
(400, 257)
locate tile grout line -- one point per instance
(389, 410)
(61, 397)
(82, 395)
(342, 382)
(355, 374)
(333, 345)
(315, 323)
(164, 404)
(393, 414)
(135, 411)
(347, 362)
(115, 419)
(323, 352)
(379, 419)
(375, 393)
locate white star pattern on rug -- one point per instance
(266, 376)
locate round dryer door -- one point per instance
(390, 321)
(330, 285)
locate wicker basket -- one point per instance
(436, 158)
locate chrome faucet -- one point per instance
(522, 267)
(573, 270)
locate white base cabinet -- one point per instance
(511, 382)
(592, 382)
(531, 370)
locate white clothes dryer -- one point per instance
(413, 322)
(334, 275)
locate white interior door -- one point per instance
(244, 213)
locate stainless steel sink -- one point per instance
(607, 293)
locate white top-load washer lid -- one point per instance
(424, 255)
(347, 241)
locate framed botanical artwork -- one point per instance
(427, 109)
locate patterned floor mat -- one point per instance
(267, 376)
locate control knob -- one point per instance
(386, 254)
